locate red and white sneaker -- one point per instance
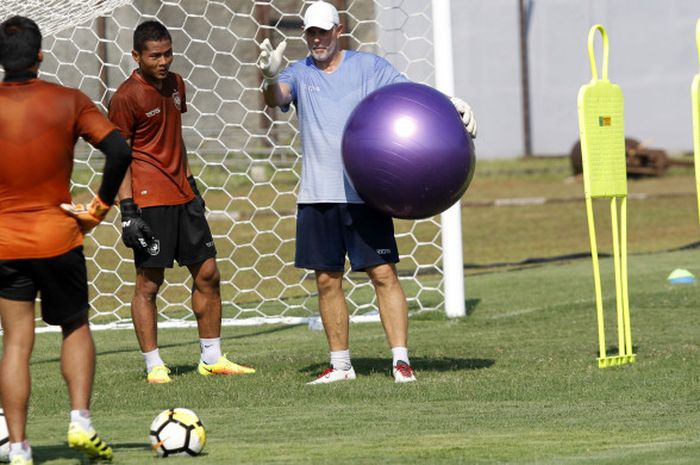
(403, 373)
(331, 375)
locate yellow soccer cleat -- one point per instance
(88, 442)
(159, 375)
(224, 366)
(19, 460)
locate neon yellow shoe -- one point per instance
(88, 442)
(224, 366)
(19, 460)
(159, 375)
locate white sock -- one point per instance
(81, 417)
(210, 350)
(152, 359)
(340, 360)
(21, 448)
(400, 353)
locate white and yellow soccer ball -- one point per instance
(177, 431)
(4, 439)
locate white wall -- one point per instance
(653, 57)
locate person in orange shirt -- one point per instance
(163, 217)
(41, 232)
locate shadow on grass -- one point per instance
(183, 342)
(177, 370)
(469, 308)
(613, 350)
(44, 454)
(470, 305)
(367, 366)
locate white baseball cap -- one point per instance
(322, 15)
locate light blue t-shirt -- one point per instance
(324, 103)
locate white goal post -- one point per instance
(245, 156)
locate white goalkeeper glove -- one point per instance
(465, 111)
(270, 60)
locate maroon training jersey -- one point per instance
(151, 119)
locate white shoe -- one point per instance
(331, 375)
(403, 373)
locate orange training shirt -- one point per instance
(151, 119)
(40, 123)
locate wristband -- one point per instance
(98, 208)
(269, 81)
(129, 209)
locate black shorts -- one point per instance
(326, 232)
(182, 234)
(61, 281)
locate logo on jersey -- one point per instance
(153, 112)
(383, 251)
(177, 100)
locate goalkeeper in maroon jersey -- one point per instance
(41, 232)
(163, 216)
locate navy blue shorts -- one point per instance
(182, 234)
(326, 232)
(61, 281)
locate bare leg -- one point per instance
(393, 308)
(143, 307)
(333, 309)
(78, 363)
(206, 298)
(15, 383)
(78, 369)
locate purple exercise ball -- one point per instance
(407, 152)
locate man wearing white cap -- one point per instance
(332, 219)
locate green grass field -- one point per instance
(256, 250)
(515, 382)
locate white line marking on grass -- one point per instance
(525, 311)
(617, 451)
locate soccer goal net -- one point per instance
(245, 156)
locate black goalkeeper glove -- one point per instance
(193, 185)
(136, 234)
